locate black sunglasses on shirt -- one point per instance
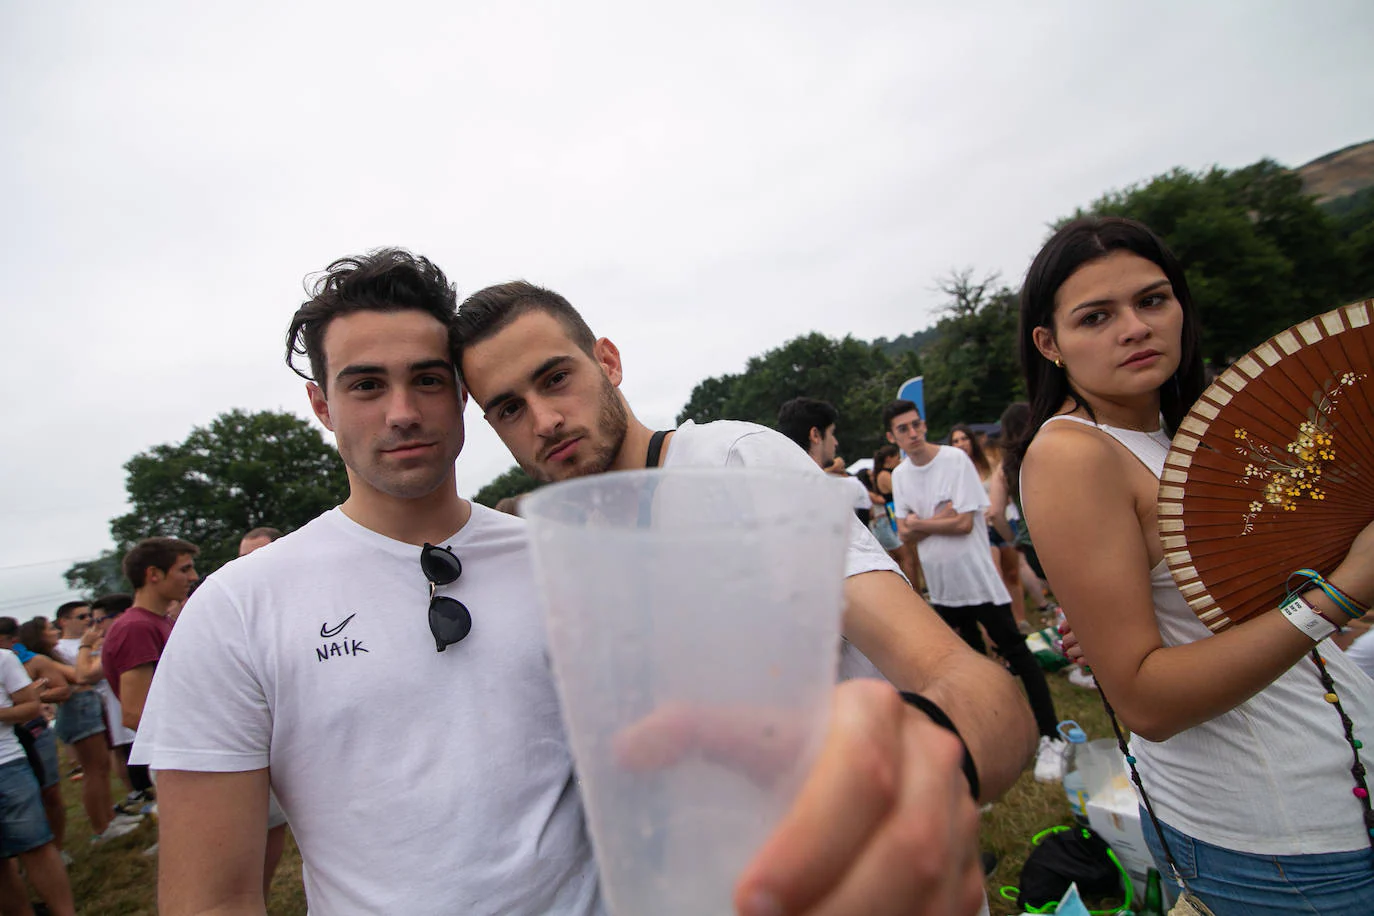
(449, 620)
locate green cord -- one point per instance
(1011, 893)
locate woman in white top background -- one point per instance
(1247, 766)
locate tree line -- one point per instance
(1260, 256)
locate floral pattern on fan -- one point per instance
(1287, 479)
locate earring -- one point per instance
(1059, 364)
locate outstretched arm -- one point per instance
(917, 651)
(213, 835)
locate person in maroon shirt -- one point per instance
(162, 571)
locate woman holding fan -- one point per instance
(1248, 771)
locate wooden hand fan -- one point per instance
(1273, 468)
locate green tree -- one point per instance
(857, 377)
(1354, 218)
(102, 576)
(1259, 254)
(514, 482)
(972, 368)
(242, 471)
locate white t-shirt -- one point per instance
(66, 650)
(13, 678)
(1361, 652)
(734, 443)
(858, 492)
(958, 567)
(415, 781)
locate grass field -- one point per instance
(116, 879)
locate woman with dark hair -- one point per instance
(1245, 765)
(1004, 554)
(39, 636)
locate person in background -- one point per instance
(1004, 553)
(939, 504)
(257, 537)
(81, 717)
(884, 523)
(25, 833)
(36, 638)
(104, 610)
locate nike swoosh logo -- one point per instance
(327, 632)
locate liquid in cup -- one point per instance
(693, 619)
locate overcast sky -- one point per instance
(704, 182)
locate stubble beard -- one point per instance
(612, 423)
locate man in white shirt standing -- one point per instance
(939, 502)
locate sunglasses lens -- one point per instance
(449, 622)
(440, 565)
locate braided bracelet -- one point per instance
(1352, 608)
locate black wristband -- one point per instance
(937, 715)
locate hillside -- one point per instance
(1339, 174)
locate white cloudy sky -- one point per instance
(704, 181)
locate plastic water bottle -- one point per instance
(1075, 788)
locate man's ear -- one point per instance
(608, 356)
(816, 436)
(1044, 342)
(319, 404)
(890, 437)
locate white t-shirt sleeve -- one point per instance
(967, 493)
(12, 673)
(207, 710)
(903, 499)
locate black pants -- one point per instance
(1011, 645)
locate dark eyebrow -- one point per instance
(366, 369)
(548, 365)
(1097, 303)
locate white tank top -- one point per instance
(1271, 776)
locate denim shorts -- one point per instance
(80, 717)
(45, 743)
(1249, 884)
(23, 825)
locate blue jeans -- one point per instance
(1247, 884)
(23, 824)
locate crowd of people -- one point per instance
(80, 679)
(289, 674)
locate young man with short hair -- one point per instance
(162, 571)
(258, 537)
(550, 389)
(939, 502)
(810, 423)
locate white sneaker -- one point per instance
(1080, 678)
(1052, 760)
(114, 831)
(134, 819)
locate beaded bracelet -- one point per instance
(1352, 608)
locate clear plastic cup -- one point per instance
(693, 621)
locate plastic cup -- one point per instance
(693, 620)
